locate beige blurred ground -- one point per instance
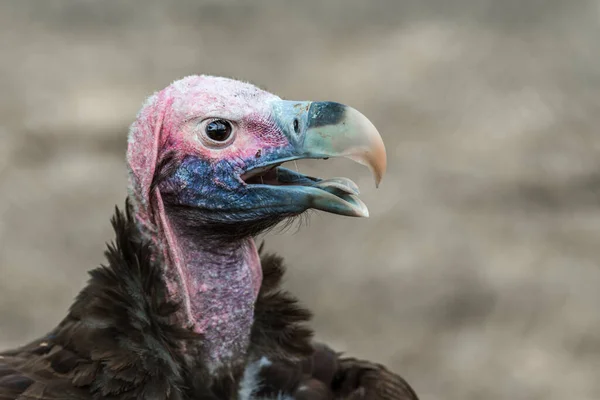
(477, 275)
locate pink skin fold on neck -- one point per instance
(252, 260)
(218, 293)
(218, 297)
(172, 253)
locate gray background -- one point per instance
(477, 275)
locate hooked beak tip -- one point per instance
(371, 149)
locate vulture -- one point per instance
(186, 306)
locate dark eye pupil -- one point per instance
(218, 130)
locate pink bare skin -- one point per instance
(215, 276)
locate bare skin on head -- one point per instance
(221, 143)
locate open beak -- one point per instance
(321, 130)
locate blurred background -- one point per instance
(477, 275)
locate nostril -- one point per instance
(296, 126)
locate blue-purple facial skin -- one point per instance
(215, 187)
(217, 191)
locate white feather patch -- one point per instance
(251, 383)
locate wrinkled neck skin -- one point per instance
(218, 281)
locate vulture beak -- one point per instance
(320, 130)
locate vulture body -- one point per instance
(185, 307)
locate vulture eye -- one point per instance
(218, 130)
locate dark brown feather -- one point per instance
(118, 342)
(302, 368)
(327, 376)
(363, 380)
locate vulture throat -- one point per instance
(205, 157)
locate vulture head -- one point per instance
(205, 158)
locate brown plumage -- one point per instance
(116, 342)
